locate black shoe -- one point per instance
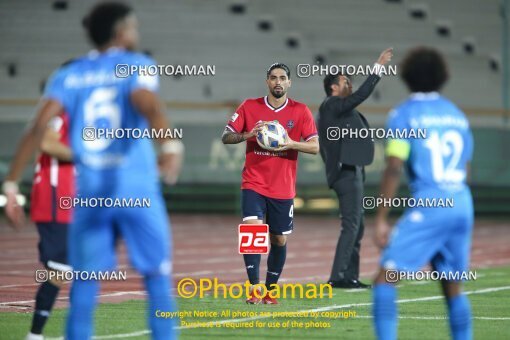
(348, 284)
(363, 285)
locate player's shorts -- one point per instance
(53, 245)
(437, 236)
(279, 213)
(145, 231)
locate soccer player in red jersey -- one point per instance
(53, 179)
(269, 177)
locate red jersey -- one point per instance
(53, 179)
(272, 173)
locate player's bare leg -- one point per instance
(279, 240)
(381, 276)
(252, 263)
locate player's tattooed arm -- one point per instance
(230, 137)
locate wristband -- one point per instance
(10, 187)
(172, 146)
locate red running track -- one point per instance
(206, 246)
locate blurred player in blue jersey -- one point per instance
(437, 167)
(95, 94)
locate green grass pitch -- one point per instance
(420, 315)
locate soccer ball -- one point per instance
(271, 136)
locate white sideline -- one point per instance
(133, 292)
(322, 309)
(438, 317)
(328, 308)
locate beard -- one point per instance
(278, 94)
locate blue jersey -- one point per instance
(95, 92)
(438, 161)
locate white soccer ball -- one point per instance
(272, 136)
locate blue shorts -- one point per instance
(53, 245)
(279, 213)
(145, 230)
(437, 236)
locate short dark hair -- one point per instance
(101, 20)
(424, 70)
(329, 80)
(278, 65)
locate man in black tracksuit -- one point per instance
(345, 159)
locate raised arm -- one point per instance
(346, 104)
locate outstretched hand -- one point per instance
(385, 56)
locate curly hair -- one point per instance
(100, 22)
(424, 70)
